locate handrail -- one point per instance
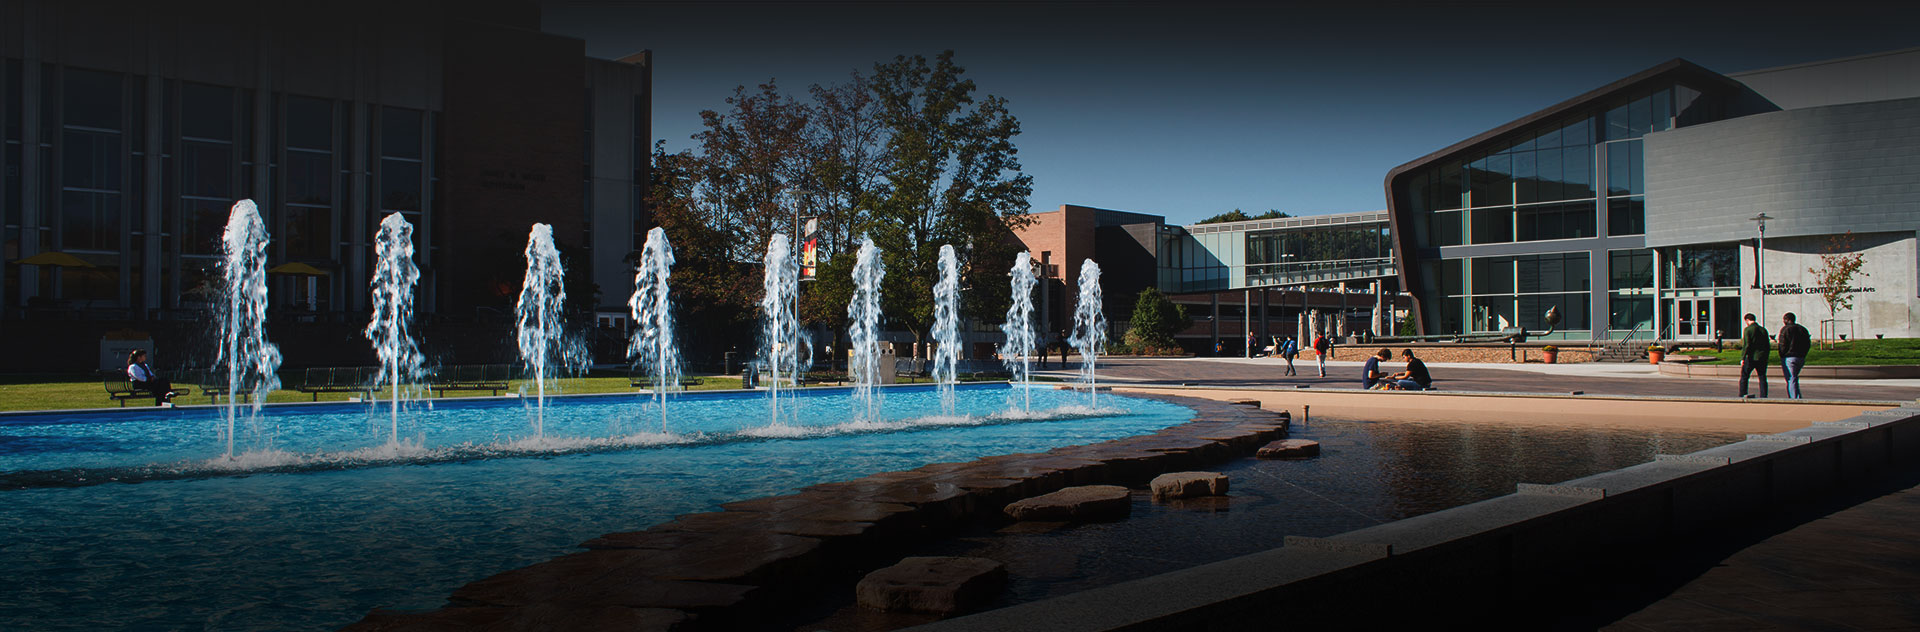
(1626, 343)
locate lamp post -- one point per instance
(1759, 270)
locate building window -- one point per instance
(1630, 285)
(1501, 292)
(402, 177)
(206, 164)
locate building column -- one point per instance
(1216, 319)
(1246, 317)
(1340, 326)
(1659, 315)
(1266, 332)
(1379, 310)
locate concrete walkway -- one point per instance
(1594, 378)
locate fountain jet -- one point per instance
(781, 333)
(394, 276)
(1089, 327)
(539, 321)
(252, 362)
(946, 328)
(864, 332)
(652, 347)
(1019, 329)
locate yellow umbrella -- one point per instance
(296, 268)
(59, 259)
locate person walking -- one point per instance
(1289, 349)
(1794, 344)
(1754, 353)
(1322, 346)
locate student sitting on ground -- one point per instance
(1415, 378)
(1371, 377)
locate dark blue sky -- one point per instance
(1188, 110)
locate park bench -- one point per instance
(354, 379)
(470, 377)
(120, 389)
(641, 380)
(211, 383)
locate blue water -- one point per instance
(319, 524)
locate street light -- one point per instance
(1759, 270)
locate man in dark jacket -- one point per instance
(1754, 353)
(1794, 344)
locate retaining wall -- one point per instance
(1848, 372)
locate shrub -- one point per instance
(1155, 321)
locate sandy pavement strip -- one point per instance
(1751, 416)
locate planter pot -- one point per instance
(1653, 357)
(1552, 356)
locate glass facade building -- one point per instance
(1275, 252)
(1547, 212)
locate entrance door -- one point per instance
(1693, 318)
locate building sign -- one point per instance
(1780, 289)
(510, 179)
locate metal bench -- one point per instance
(641, 380)
(120, 389)
(356, 379)
(470, 377)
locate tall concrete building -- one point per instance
(131, 128)
(1637, 209)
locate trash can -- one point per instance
(750, 377)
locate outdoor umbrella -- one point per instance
(59, 259)
(296, 268)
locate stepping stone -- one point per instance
(1189, 485)
(1075, 504)
(1245, 402)
(1289, 448)
(933, 585)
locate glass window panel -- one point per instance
(93, 99)
(1619, 166)
(206, 169)
(1579, 219)
(206, 111)
(1630, 269)
(1450, 312)
(89, 221)
(1477, 176)
(1578, 274)
(1617, 124)
(1499, 181)
(206, 220)
(400, 133)
(92, 160)
(1636, 172)
(1576, 162)
(1449, 191)
(1526, 178)
(1492, 225)
(1662, 110)
(1688, 109)
(1580, 132)
(309, 232)
(1493, 313)
(309, 178)
(309, 123)
(1493, 275)
(1445, 228)
(1451, 282)
(1417, 192)
(12, 106)
(1547, 164)
(1626, 216)
(1640, 117)
(1549, 139)
(399, 185)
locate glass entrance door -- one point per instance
(1693, 318)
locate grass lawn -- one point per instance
(53, 393)
(1852, 352)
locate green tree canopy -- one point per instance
(1237, 215)
(1154, 323)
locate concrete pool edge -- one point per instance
(726, 568)
(1494, 547)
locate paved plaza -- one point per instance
(1592, 378)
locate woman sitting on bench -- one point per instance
(142, 378)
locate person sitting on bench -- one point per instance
(1416, 377)
(142, 378)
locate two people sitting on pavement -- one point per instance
(1415, 378)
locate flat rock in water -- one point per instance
(1289, 448)
(933, 585)
(1075, 504)
(1189, 485)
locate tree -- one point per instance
(753, 158)
(1155, 321)
(1237, 215)
(954, 178)
(1839, 264)
(715, 291)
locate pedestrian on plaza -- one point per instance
(1794, 344)
(1754, 354)
(1288, 349)
(1416, 377)
(1253, 345)
(1321, 347)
